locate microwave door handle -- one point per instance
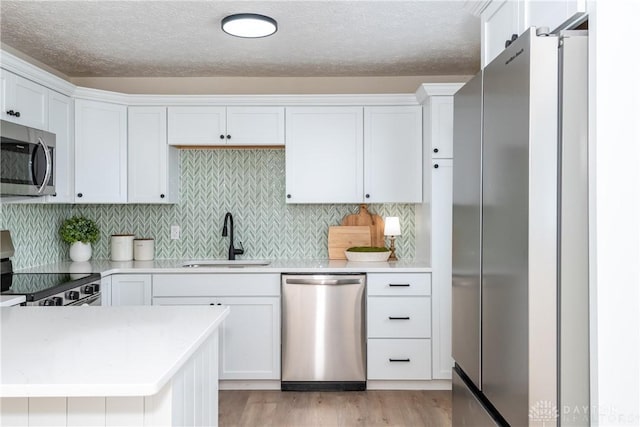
(47, 173)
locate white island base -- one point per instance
(187, 396)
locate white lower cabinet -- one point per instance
(105, 289)
(399, 359)
(250, 335)
(399, 326)
(441, 241)
(130, 289)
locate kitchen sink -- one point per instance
(225, 263)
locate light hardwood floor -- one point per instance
(366, 408)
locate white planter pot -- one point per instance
(80, 252)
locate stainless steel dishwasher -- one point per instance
(323, 332)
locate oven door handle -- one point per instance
(47, 173)
(89, 300)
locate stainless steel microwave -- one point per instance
(27, 160)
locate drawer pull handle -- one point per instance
(399, 318)
(404, 285)
(400, 360)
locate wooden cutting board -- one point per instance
(342, 238)
(364, 217)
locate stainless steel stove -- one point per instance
(56, 288)
(46, 288)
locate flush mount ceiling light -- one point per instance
(249, 25)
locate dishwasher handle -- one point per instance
(323, 281)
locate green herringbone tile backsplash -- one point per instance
(248, 183)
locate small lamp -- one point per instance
(392, 229)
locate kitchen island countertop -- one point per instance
(99, 351)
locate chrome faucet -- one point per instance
(232, 251)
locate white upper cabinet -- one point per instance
(393, 154)
(324, 154)
(154, 166)
(255, 126)
(501, 19)
(213, 126)
(439, 128)
(101, 152)
(61, 123)
(554, 14)
(354, 154)
(23, 101)
(196, 125)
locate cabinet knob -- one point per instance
(435, 150)
(228, 136)
(79, 194)
(162, 196)
(288, 196)
(367, 196)
(436, 166)
(17, 114)
(221, 136)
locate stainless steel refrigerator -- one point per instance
(520, 237)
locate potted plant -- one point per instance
(79, 232)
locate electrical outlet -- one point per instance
(175, 232)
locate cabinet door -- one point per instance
(393, 154)
(26, 98)
(101, 152)
(152, 163)
(324, 154)
(105, 288)
(500, 20)
(130, 289)
(249, 336)
(196, 125)
(250, 339)
(439, 131)
(61, 123)
(255, 126)
(441, 235)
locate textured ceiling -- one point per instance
(183, 38)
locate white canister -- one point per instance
(143, 249)
(122, 247)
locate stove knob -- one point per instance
(73, 295)
(96, 287)
(88, 289)
(48, 301)
(57, 300)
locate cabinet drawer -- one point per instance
(399, 317)
(399, 284)
(399, 359)
(201, 285)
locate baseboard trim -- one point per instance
(371, 385)
(409, 385)
(249, 385)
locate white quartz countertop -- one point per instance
(99, 351)
(107, 267)
(9, 300)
